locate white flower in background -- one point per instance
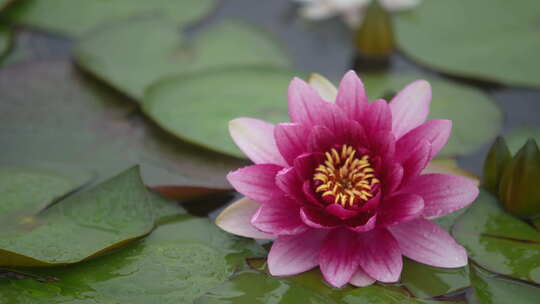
(352, 11)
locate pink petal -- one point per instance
(377, 116)
(340, 212)
(291, 184)
(316, 218)
(379, 255)
(293, 254)
(391, 177)
(363, 224)
(236, 218)
(305, 164)
(410, 107)
(256, 182)
(323, 86)
(415, 161)
(383, 144)
(256, 139)
(291, 140)
(321, 139)
(425, 242)
(310, 195)
(339, 257)
(436, 132)
(443, 193)
(399, 208)
(361, 279)
(281, 217)
(352, 96)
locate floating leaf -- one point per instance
(106, 216)
(498, 241)
(460, 37)
(495, 289)
(177, 262)
(50, 114)
(379, 294)
(76, 17)
(132, 55)
(461, 104)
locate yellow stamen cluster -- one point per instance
(344, 178)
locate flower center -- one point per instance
(345, 178)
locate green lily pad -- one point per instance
(198, 107)
(498, 241)
(460, 37)
(132, 55)
(379, 294)
(52, 115)
(106, 216)
(494, 289)
(425, 281)
(179, 261)
(462, 104)
(76, 17)
(518, 138)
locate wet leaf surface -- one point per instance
(498, 241)
(76, 17)
(460, 38)
(51, 115)
(132, 55)
(179, 261)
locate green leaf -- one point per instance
(460, 37)
(106, 216)
(52, 115)
(176, 263)
(461, 104)
(493, 289)
(498, 241)
(198, 107)
(518, 138)
(132, 55)
(76, 17)
(425, 281)
(378, 294)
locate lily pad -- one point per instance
(52, 115)
(132, 55)
(464, 105)
(179, 261)
(461, 37)
(198, 107)
(498, 241)
(106, 216)
(76, 17)
(518, 138)
(495, 289)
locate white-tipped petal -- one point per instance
(236, 219)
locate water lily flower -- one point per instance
(342, 185)
(352, 11)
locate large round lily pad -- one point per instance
(176, 263)
(495, 40)
(51, 115)
(76, 17)
(498, 241)
(198, 107)
(476, 118)
(132, 55)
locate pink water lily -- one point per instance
(342, 185)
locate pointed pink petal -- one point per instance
(317, 218)
(415, 161)
(425, 242)
(410, 107)
(339, 257)
(305, 105)
(361, 278)
(291, 184)
(305, 164)
(383, 144)
(340, 212)
(293, 254)
(399, 208)
(436, 132)
(256, 182)
(236, 218)
(310, 195)
(280, 217)
(291, 140)
(256, 139)
(361, 224)
(379, 255)
(391, 177)
(352, 96)
(321, 139)
(377, 116)
(443, 193)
